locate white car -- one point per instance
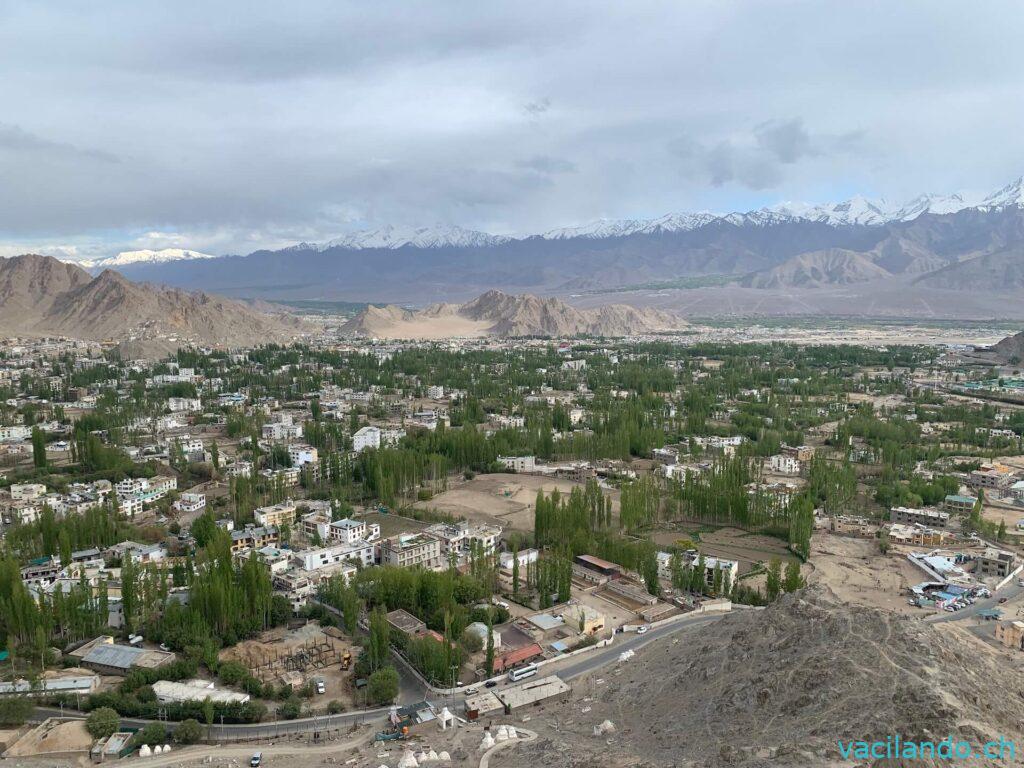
(320, 687)
(642, 629)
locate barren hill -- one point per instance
(780, 687)
(834, 266)
(40, 295)
(500, 314)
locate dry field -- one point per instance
(502, 499)
(859, 575)
(731, 544)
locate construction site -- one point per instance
(297, 655)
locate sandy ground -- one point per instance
(55, 737)
(858, 574)
(432, 328)
(502, 499)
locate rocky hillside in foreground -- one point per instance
(780, 687)
(500, 314)
(41, 296)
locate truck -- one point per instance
(632, 627)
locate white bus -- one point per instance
(522, 673)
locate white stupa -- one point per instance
(145, 751)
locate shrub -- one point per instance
(290, 709)
(189, 732)
(152, 733)
(335, 707)
(232, 672)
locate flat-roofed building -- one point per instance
(403, 621)
(957, 503)
(932, 518)
(411, 549)
(276, 514)
(1011, 634)
(995, 562)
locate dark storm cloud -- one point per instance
(233, 125)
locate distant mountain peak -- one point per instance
(1012, 195)
(146, 256)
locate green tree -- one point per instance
(38, 448)
(377, 648)
(15, 710)
(489, 659)
(774, 583)
(793, 580)
(102, 722)
(382, 687)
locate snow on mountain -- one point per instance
(146, 256)
(1012, 195)
(929, 203)
(672, 222)
(390, 236)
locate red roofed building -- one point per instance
(517, 657)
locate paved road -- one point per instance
(589, 662)
(253, 731)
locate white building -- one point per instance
(784, 465)
(184, 404)
(302, 454)
(524, 556)
(367, 437)
(360, 552)
(27, 491)
(519, 463)
(191, 502)
(15, 432)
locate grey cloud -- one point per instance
(757, 159)
(726, 163)
(787, 140)
(536, 108)
(15, 139)
(240, 124)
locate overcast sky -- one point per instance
(227, 126)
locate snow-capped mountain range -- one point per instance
(857, 211)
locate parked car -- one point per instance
(490, 683)
(320, 687)
(256, 760)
